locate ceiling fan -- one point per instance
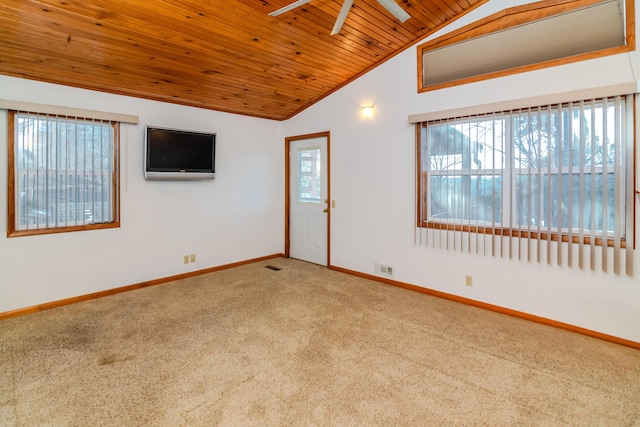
(390, 5)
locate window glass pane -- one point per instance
(596, 124)
(563, 170)
(579, 137)
(598, 208)
(533, 137)
(309, 185)
(474, 198)
(63, 171)
(532, 201)
(466, 145)
(466, 159)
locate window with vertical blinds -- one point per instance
(551, 183)
(63, 173)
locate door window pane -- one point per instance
(309, 188)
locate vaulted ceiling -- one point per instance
(221, 55)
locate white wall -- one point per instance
(237, 216)
(240, 215)
(373, 184)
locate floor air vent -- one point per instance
(271, 267)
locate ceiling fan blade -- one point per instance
(395, 10)
(344, 10)
(289, 7)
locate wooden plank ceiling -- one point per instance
(220, 55)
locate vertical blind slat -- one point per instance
(473, 183)
(581, 189)
(630, 190)
(628, 149)
(493, 190)
(550, 114)
(566, 123)
(509, 192)
(605, 184)
(470, 184)
(618, 195)
(593, 198)
(538, 195)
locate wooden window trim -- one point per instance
(11, 190)
(512, 17)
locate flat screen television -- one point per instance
(179, 154)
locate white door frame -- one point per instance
(287, 186)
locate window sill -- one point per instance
(35, 232)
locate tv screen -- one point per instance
(179, 154)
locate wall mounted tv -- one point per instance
(179, 154)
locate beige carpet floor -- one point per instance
(303, 346)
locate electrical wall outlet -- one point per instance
(383, 270)
(468, 280)
(192, 258)
(186, 259)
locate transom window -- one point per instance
(554, 33)
(555, 172)
(63, 173)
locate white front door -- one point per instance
(308, 200)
